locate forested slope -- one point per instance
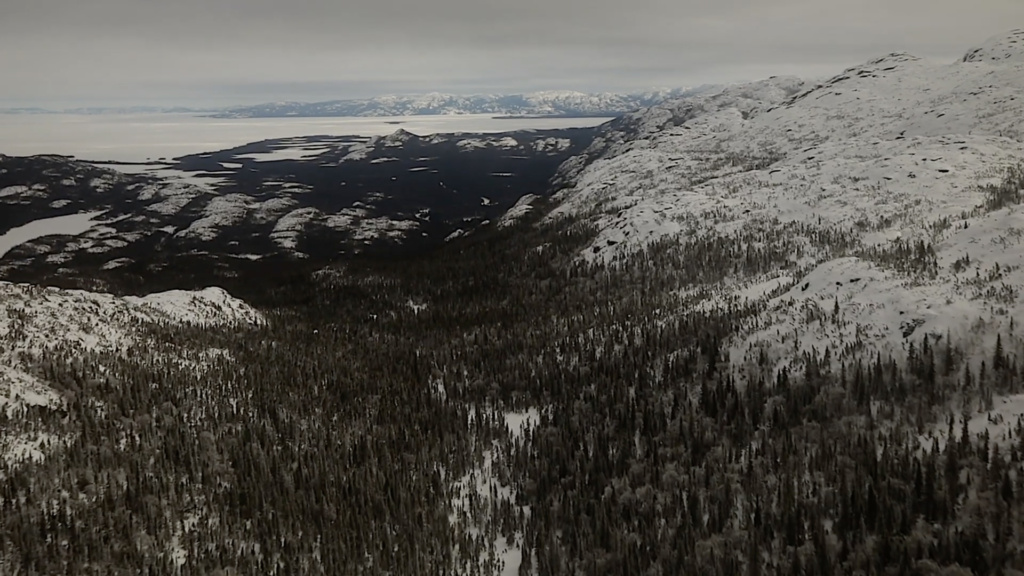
(726, 392)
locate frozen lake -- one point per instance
(141, 137)
(71, 225)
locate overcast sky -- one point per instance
(218, 52)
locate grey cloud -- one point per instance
(253, 50)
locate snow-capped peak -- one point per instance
(894, 58)
(1000, 49)
(558, 102)
(398, 138)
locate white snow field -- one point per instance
(896, 149)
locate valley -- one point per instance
(768, 328)
(272, 202)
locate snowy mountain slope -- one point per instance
(999, 49)
(548, 103)
(34, 319)
(209, 306)
(36, 322)
(841, 177)
(522, 207)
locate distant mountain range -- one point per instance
(552, 103)
(112, 110)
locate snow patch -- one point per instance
(1006, 414)
(222, 211)
(209, 306)
(13, 191)
(278, 154)
(290, 226)
(35, 320)
(518, 211)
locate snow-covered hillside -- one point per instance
(37, 321)
(892, 186)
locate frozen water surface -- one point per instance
(141, 137)
(71, 225)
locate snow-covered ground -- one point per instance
(481, 489)
(222, 211)
(209, 306)
(1000, 422)
(471, 143)
(34, 319)
(288, 229)
(895, 150)
(173, 196)
(521, 208)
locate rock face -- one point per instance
(891, 189)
